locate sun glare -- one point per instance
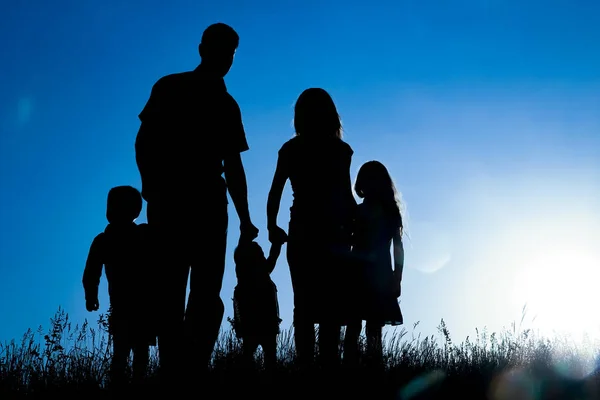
(559, 285)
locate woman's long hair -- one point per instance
(374, 183)
(315, 114)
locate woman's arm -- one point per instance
(275, 193)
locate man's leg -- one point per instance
(205, 308)
(118, 369)
(172, 272)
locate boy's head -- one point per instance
(124, 204)
(249, 258)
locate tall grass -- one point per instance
(70, 357)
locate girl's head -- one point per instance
(124, 204)
(374, 183)
(315, 114)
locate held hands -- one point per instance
(248, 231)
(92, 305)
(277, 235)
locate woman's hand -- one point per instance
(277, 235)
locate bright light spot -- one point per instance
(427, 248)
(559, 285)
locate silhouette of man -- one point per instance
(191, 134)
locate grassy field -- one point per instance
(70, 361)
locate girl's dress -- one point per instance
(374, 275)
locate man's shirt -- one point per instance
(190, 124)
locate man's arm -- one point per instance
(146, 157)
(233, 168)
(93, 272)
(235, 176)
(146, 146)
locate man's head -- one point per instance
(217, 49)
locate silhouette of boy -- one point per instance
(121, 249)
(256, 309)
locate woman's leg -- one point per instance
(329, 340)
(304, 338)
(249, 346)
(141, 359)
(269, 346)
(351, 342)
(304, 328)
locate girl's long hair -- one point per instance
(375, 183)
(315, 114)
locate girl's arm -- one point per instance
(398, 261)
(276, 234)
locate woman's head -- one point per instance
(375, 183)
(315, 114)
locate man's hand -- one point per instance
(248, 231)
(277, 235)
(92, 305)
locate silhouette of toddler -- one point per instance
(256, 308)
(122, 250)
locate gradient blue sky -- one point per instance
(486, 112)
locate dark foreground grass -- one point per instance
(70, 361)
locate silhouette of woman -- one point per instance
(317, 163)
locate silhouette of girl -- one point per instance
(378, 227)
(317, 163)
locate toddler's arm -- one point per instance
(274, 253)
(92, 273)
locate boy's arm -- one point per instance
(274, 253)
(93, 272)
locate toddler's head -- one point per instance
(249, 261)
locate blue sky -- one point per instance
(487, 114)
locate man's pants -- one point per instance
(188, 241)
